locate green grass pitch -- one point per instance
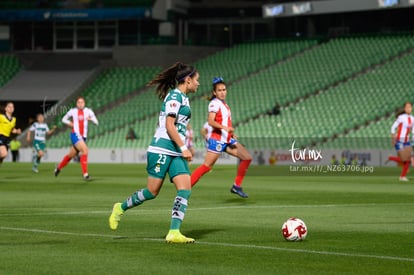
(358, 224)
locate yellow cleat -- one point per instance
(115, 217)
(174, 236)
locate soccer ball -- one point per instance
(294, 230)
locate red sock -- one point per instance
(241, 171)
(396, 159)
(84, 163)
(198, 173)
(405, 168)
(66, 159)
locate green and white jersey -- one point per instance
(176, 104)
(40, 130)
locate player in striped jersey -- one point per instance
(189, 136)
(206, 132)
(167, 153)
(7, 127)
(40, 130)
(222, 139)
(401, 130)
(77, 118)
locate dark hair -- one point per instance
(3, 107)
(401, 111)
(170, 77)
(216, 80)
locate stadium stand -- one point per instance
(376, 135)
(316, 84)
(9, 67)
(242, 60)
(114, 83)
(362, 98)
(145, 104)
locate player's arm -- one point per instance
(393, 130)
(93, 118)
(66, 119)
(51, 131)
(213, 123)
(412, 131)
(204, 132)
(16, 131)
(29, 135)
(172, 108)
(175, 136)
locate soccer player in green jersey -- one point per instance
(40, 130)
(167, 153)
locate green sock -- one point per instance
(179, 208)
(137, 198)
(36, 162)
(34, 158)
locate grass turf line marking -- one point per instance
(249, 246)
(311, 251)
(151, 211)
(59, 232)
(401, 259)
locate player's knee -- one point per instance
(83, 151)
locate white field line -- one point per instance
(243, 246)
(50, 212)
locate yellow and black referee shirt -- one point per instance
(6, 125)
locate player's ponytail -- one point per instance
(170, 77)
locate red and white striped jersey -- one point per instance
(209, 129)
(80, 118)
(189, 134)
(402, 127)
(223, 117)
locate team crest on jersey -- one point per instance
(218, 147)
(157, 168)
(173, 105)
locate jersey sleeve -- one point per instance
(213, 107)
(13, 123)
(92, 117)
(32, 127)
(412, 128)
(172, 105)
(66, 117)
(395, 124)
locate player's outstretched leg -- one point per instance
(134, 200)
